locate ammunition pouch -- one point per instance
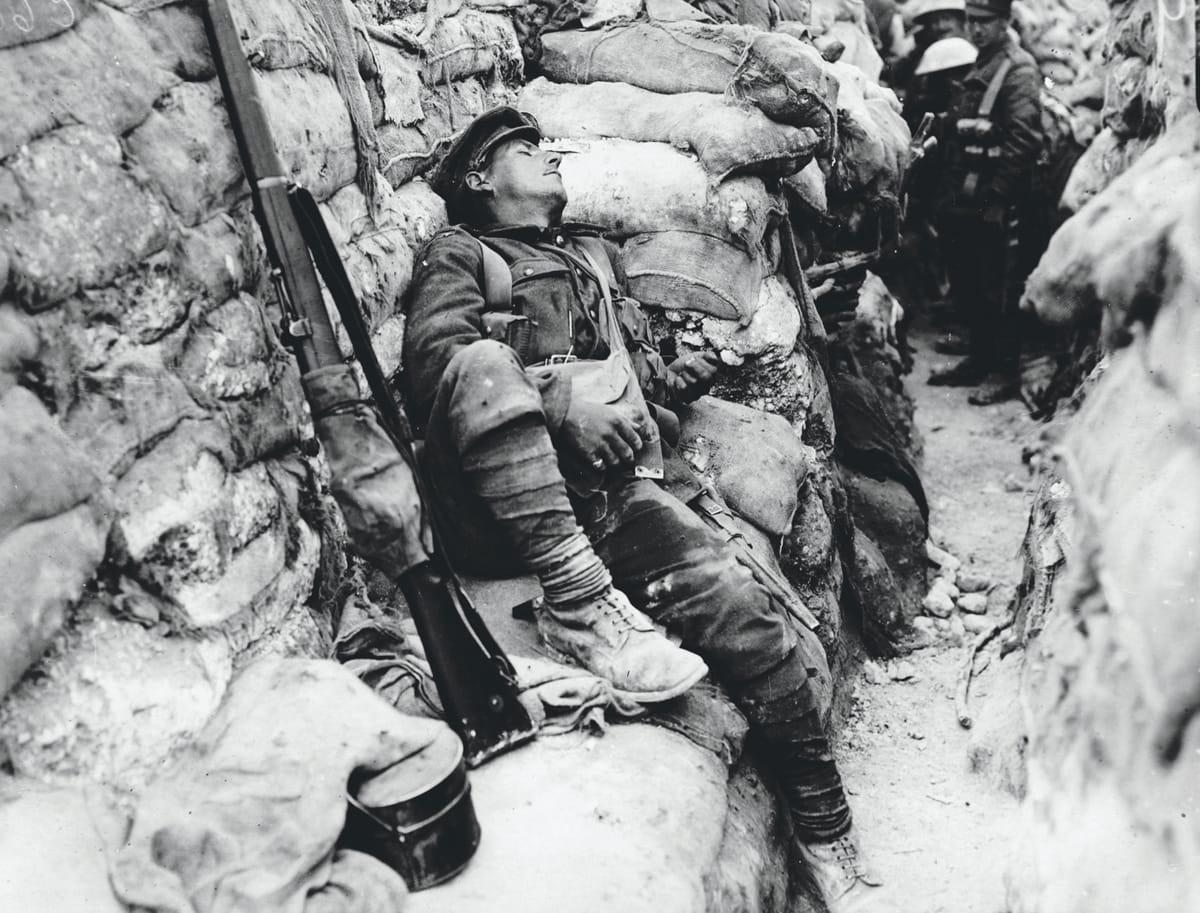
(514, 330)
(980, 145)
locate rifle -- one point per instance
(719, 518)
(368, 443)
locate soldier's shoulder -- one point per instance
(451, 243)
(1022, 60)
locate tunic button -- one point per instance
(529, 271)
(558, 240)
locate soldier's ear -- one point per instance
(477, 182)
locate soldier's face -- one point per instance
(985, 30)
(522, 173)
(940, 24)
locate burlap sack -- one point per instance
(780, 75)
(692, 271)
(729, 139)
(631, 188)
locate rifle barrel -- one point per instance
(269, 182)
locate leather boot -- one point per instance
(952, 343)
(845, 882)
(610, 638)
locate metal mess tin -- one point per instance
(417, 816)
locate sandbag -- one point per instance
(754, 459)
(1109, 257)
(859, 49)
(808, 186)
(872, 138)
(772, 374)
(825, 13)
(780, 75)
(46, 833)
(631, 188)
(692, 271)
(1106, 159)
(728, 139)
(468, 43)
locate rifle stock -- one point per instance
(376, 475)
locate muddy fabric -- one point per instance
(248, 818)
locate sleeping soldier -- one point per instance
(543, 454)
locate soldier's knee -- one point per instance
(484, 358)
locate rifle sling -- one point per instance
(333, 272)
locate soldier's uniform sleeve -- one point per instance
(445, 306)
(1020, 106)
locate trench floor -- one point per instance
(938, 832)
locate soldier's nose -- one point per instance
(553, 159)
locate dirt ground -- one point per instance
(938, 833)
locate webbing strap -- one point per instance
(497, 280)
(994, 87)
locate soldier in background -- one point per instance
(938, 78)
(993, 141)
(932, 20)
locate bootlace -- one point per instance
(845, 852)
(618, 611)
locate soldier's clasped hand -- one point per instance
(602, 435)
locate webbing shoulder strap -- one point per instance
(497, 280)
(994, 87)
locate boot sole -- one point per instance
(638, 697)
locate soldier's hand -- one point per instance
(602, 435)
(691, 376)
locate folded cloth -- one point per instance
(559, 698)
(248, 817)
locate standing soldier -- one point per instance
(539, 469)
(993, 145)
(931, 21)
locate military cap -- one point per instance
(1001, 8)
(469, 151)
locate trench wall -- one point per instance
(159, 523)
(1110, 674)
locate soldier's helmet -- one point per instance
(918, 9)
(946, 54)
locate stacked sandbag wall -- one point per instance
(675, 136)
(1146, 59)
(1103, 747)
(160, 525)
(1110, 686)
(1066, 38)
